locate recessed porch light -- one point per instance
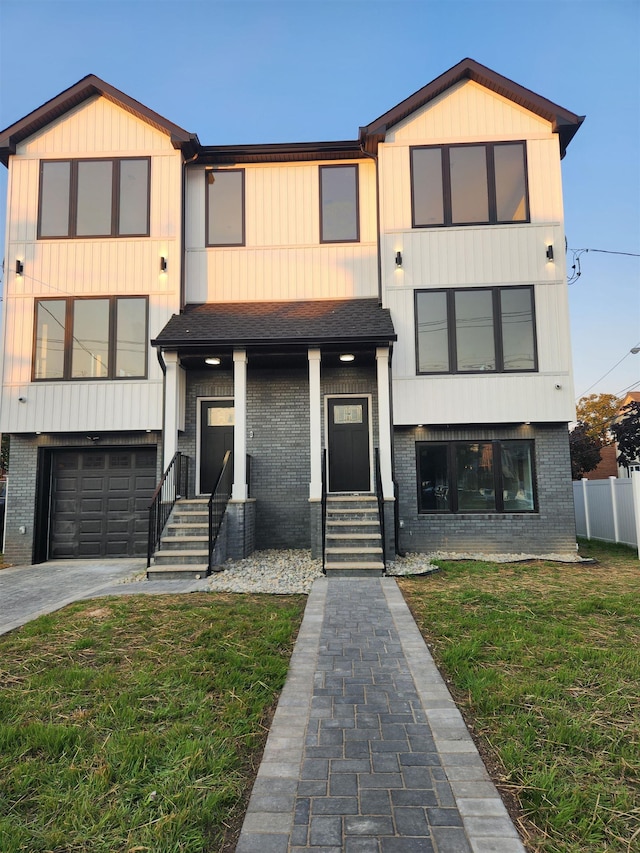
(212, 360)
(347, 356)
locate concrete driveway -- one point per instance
(27, 592)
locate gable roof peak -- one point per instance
(86, 88)
(563, 122)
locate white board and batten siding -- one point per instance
(88, 267)
(476, 256)
(283, 258)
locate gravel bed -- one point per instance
(279, 572)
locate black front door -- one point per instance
(349, 469)
(216, 437)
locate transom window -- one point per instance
(476, 476)
(101, 338)
(94, 198)
(477, 184)
(475, 330)
(225, 207)
(339, 219)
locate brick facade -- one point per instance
(549, 530)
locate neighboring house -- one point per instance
(429, 251)
(623, 470)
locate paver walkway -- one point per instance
(367, 750)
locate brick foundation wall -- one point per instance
(549, 530)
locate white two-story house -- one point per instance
(386, 314)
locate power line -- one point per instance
(577, 253)
(628, 353)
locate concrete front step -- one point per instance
(177, 572)
(199, 556)
(196, 529)
(354, 570)
(181, 542)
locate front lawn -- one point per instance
(543, 659)
(137, 723)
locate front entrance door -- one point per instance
(216, 437)
(349, 467)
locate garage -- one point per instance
(99, 502)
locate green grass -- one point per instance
(137, 723)
(544, 661)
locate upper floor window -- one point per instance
(94, 198)
(475, 330)
(476, 184)
(90, 338)
(225, 207)
(339, 219)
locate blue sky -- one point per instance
(242, 71)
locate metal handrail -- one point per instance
(218, 503)
(380, 497)
(173, 485)
(323, 505)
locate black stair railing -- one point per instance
(380, 498)
(323, 509)
(173, 485)
(218, 502)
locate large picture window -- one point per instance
(225, 207)
(339, 219)
(478, 184)
(475, 330)
(94, 198)
(476, 476)
(101, 338)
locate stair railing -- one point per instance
(218, 503)
(173, 485)
(380, 498)
(323, 510)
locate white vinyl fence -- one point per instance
(609, 509)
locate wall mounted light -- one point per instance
(163, 264)
(549, 252)
(19, 267)
(214, 360)
(347, 356)
(398, 259)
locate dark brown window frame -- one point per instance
(113, 301)
(73, 198)
(208, 188)
(497, 330)
(491, 184)
(498, 479)
(321, 169)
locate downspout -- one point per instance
(163, 368)
(183, 230)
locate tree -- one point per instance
(584, 450)
(627, 434)
(597, 412)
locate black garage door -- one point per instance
(99, 502)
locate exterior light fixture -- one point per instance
(398, 259)
(549, 252)
(214, 360)
(347, 356)
(163, 264)
(19, 267)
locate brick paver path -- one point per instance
(367, 751)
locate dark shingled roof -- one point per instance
(309, 322)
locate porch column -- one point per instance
(239, 491)
(315, 426)
(174, 389)
(384, 419)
